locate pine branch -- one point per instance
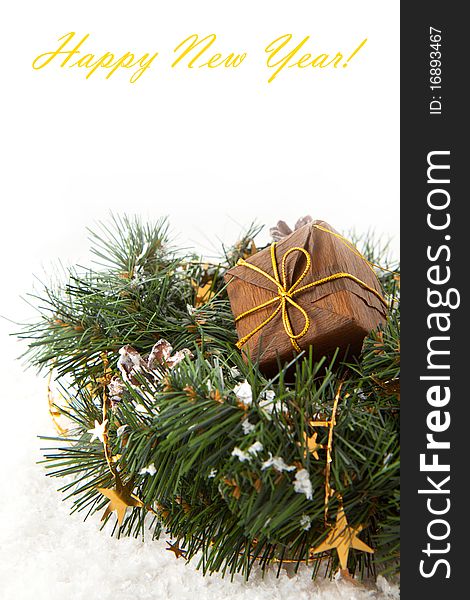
(218, 472)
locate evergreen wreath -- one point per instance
(161, 420)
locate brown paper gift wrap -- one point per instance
(340, 312)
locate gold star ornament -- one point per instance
(176, 549)
(120, 499)
(203, 292)
(311, 445)
(343, 537)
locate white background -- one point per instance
(213, 149)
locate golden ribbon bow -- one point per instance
(285, 295)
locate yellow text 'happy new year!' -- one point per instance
(194, 51)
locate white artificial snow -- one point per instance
(116, 388)
(252, 451)
(267, 401)
(278, 463)
(255, 448)
(149, 470)
(121, 430)
(302, 484)
(129, 363)
(244, 393)
(48, 554)
(305, 522)
(247, 427)
(240, 454)
(161, 357)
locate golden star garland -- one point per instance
(121, 497)
(341, 537)
(330, 424)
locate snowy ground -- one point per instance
(47, 554)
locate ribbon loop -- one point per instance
(284, 296)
